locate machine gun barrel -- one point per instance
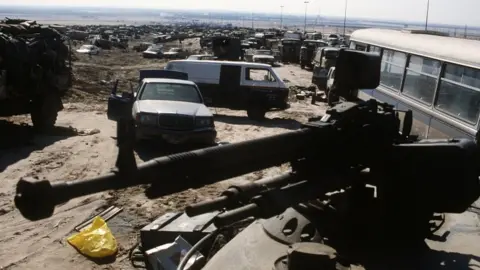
(178, 172)
(271, 203)
(240, 192)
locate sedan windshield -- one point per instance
(264, 52)
(86, 47)
(171, 91)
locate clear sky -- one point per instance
(458, 12)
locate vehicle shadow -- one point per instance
(17, 141)
(268, 122)
(431, 260)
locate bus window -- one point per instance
(352, 45)
(421, 79)
(459, 94)
(360, 47)
(375, 49)
(393, 65)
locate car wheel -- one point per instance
(302, 66)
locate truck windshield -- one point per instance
(171, 91)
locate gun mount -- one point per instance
(351, 171)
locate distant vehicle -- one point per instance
(142, 46)
(290, 50)
(263, 56)
(201, 57)
(307, 52)
(330, 81)
(292, 35)
(435, 76)
(153, 52)
(253, 87)
(333, 37)
(171, 109)
(314, 36)
(89, 49)
(175, 53)
(325, 58)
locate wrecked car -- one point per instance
(153, 52)
(263, 56)
(89, 49)
(175, 53)
(166, 106)
(201, 57)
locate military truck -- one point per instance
(290, 50)
(307, 52)
(227, 48)
(35, 71)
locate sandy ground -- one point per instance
(83, 146)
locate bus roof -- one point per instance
(449, 49)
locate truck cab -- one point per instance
(324, 59)
(307, 52)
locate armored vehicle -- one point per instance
(35, 71)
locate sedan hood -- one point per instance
(83, 51)
(259, 56)
(172, 107)
(170, 53)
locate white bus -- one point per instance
(435, 76)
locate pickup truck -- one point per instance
(166, 106)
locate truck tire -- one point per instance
(44, 112)
(256, 113)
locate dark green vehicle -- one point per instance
(325, 58)
(307, 51)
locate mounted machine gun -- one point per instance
(356, 181)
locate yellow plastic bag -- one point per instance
(95, 241)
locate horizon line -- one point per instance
(51, 6)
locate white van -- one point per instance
(253, 87)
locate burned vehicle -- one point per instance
(263, 56)
(169, 107)
(307, 52)
(142, 46)
(362, 192)
(201, 57)
(325, 58)
(154, 51)
(227, 48)
(290, 50)
(175, 53)
(35, 71)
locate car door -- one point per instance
(228, 94)
(119, 106)
(259, 86)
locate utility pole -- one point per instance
(426, 17)
(345, 18)
(465, 33)
(281, 17)
(305, 25)
(252, 20)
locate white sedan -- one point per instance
(89, 49)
